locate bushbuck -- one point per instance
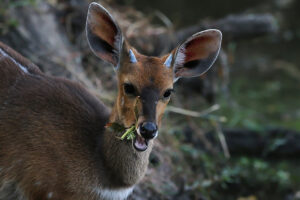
(54, 143)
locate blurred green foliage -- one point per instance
(6, 20)
(263, 102)
(257, 100)
(242, 176)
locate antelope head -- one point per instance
(145, 83)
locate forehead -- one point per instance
(148, 71)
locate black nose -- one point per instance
(148, 130)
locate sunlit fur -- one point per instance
(53, 137)
(148, 71)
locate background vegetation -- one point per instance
(231, 134)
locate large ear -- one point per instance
(197, 54)
(103, 34)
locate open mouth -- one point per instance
(140, 143)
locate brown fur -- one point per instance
(53, 140)
(52, 135)
(147, 72)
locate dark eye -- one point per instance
(168, 93)
(129, 89)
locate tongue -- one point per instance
(140, 143)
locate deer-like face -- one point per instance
(145, 88)
(146, 83)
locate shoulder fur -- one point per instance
(17, 60)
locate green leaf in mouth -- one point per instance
(129, 132)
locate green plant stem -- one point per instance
(128, 131)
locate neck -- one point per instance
(114, 115)
(127, 166)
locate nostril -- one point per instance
(149, 126)
(148, 130)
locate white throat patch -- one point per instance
(113, 194)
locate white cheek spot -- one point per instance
(132, 56)
(24, 69)
(168, 61)
(113, 194)
(50, 195)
